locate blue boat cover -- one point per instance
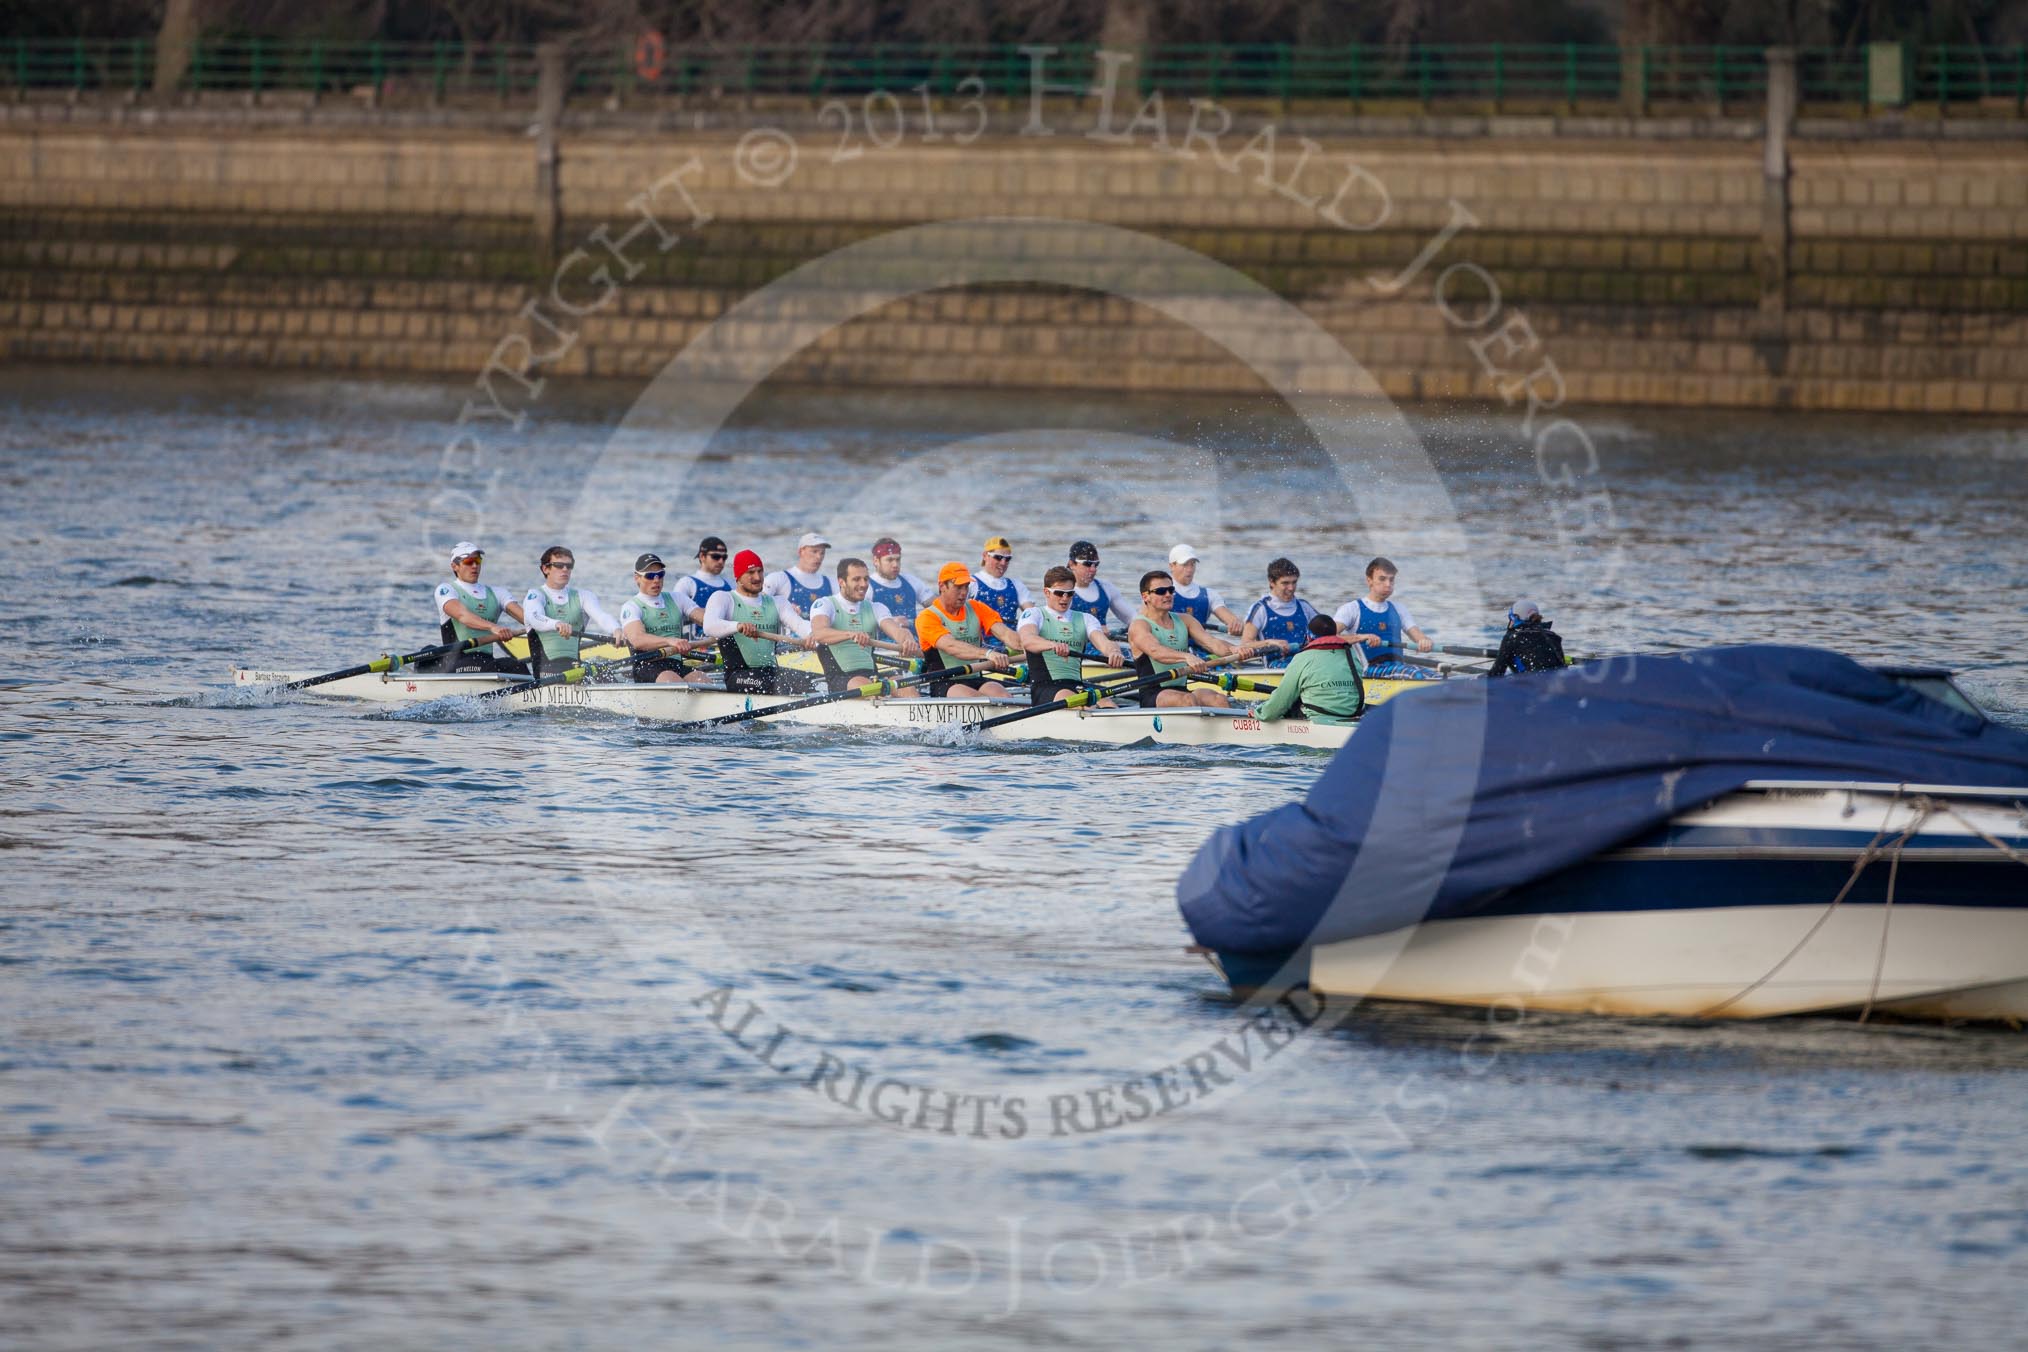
(1448, 796)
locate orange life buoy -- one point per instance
(650, 54)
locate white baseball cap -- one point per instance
(1181, 554)
(464, 549)
(812, 540)
(1523, 609)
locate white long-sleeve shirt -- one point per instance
(471, 598)
(685, 590)
(831, 608)
(1347, 615)
(1123, 610)
(535, 606)
(718, 620)
(1195, 590)
(1087, 623)
(777, 585)
(986, 589)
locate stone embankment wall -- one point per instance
(1862, 273)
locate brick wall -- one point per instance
(1636, 264)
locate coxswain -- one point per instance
(1161, 639)
(652, 624)
(694, 592)
(845, 624)
(1100, 600)
(953, 630)
(990, 584)
(1379, 622)
(799, 587)
(739, 617)
(1281, 615)
(902, 593)
(467, 608)
(559, 615)
(1323, 682)
(1529, 644)
(1054, 637)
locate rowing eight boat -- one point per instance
(673, 702)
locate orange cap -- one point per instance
(954, 572)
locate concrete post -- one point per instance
(1633, 79)
(1774, 202)
(549, 85)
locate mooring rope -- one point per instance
(1924, 807)
(1866, 856)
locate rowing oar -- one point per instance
(390, 662)
(1444, 668)
(1099, 691)
(568, 676)
(871, 690)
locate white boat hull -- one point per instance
(670, 702)
(1727, 913)
(1941, 962)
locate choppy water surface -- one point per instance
(323, 1027)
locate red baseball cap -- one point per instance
(744, 560)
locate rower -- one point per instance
(846, 623)
(1280, 615)
(694, 592)
(467, 608)
(902, 593)
(558, 613)
(1054, 637)
(739, 617)
(1199, 603)
(798, 588)
(652, 623)
(1323, 681)
(1529, 643)
(1101, 600)
(1161, 639)
(990, 584)
(1380, 623)
(953, 630)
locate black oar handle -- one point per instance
(388, 662)
(1084, 697)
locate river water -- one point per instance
(323, 1027)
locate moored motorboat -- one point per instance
(1662, 848)
(677, 703)
(1739, 909)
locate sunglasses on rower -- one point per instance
(566, 564)
(714, 554)
(1161, 591)
(1061, 591)
(657, 575)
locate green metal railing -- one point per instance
(265, 65)
(1948, 75)
(1485, 75)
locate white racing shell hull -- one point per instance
(1727, 913)
(670, 702)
